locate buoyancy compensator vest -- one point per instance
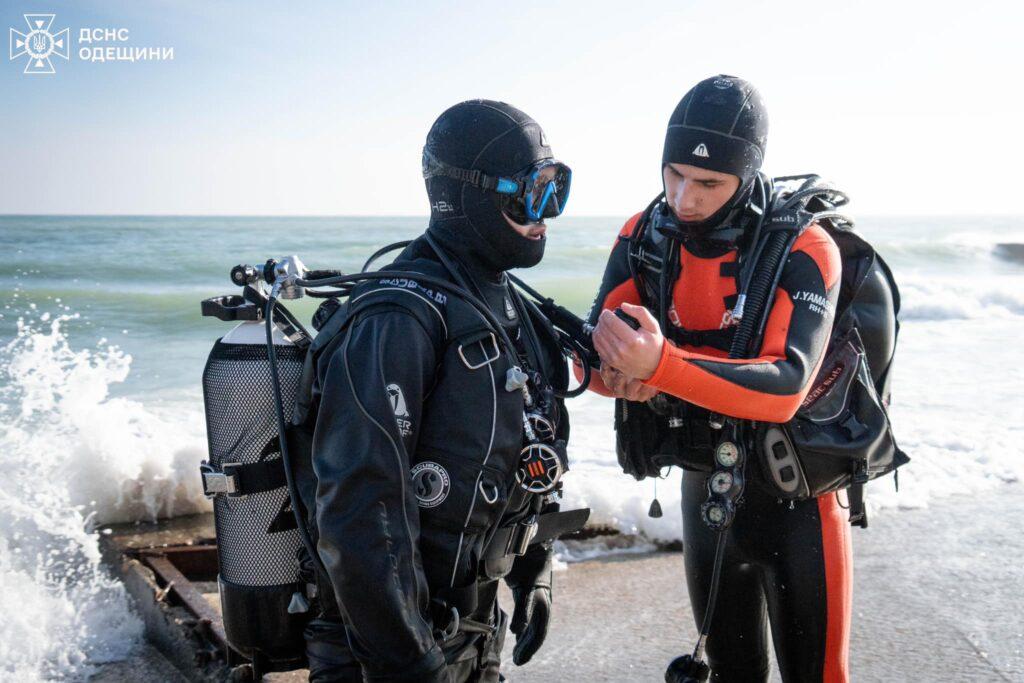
(841, 436)
(473, 360)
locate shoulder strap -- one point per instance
(858, 252)
(720, 339)
(637, 256)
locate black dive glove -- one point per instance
(530, 581)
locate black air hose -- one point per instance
(761, 287)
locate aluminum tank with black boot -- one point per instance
(264, 598)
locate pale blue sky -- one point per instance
(266, 109)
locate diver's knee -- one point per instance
(330, 659)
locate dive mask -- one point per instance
(538, 192)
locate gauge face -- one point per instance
(721, 482)
(727, 454)
(540, 468)
(715, 514)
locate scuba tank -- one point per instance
(264, 599)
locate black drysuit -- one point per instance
(415, 449)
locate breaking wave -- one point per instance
(71, 458)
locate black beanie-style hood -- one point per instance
(721, 125)
(497, 139)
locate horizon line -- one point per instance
(427, 216)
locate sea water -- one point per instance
(102, 349)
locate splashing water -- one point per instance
(72, 457)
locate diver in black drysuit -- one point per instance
(417, 438)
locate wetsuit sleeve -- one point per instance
(373, 386)
(617, 286)
(771, 386)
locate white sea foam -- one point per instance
(71, 457)
(927, 297)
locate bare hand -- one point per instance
(636, 353)
(625, 387)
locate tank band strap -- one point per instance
(235, 479)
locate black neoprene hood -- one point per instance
(721, 125)
(497, 139)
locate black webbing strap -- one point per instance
(858, 513)
(463, 174)
(720, 339)
(474, 177)
(257, 477)
(235, 479)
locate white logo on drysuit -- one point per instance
(701, 150)
(510, 311)
(430, 483)
(397, 399)
(722, 83)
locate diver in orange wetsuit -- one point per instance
(786, 565)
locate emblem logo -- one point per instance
(397, 400)
(401, 411)
(39, 44)
(430, 483)
(510, 311)
(701, 150)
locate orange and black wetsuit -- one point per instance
(791, 563)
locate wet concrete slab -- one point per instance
(938, 596)
(146, 664)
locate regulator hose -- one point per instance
(282, 427)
